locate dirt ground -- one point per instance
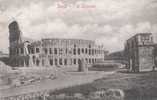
(136, 86)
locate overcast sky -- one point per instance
(109, 22)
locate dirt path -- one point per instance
(69, 80)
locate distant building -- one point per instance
(51, 51)
(2, 55)
(139, 52)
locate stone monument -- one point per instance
(82, 66)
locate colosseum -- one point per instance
(51, 51)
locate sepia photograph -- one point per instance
(78, 49)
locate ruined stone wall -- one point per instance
(65, 52)
(155, 55)
(14, 33)
(146, 60)
(57, 52)
(139, 52)
(15, 42)
(51, 52)
(131, 52)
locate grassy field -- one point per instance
(137, 86)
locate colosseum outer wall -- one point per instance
(53, 51)
(64, 52)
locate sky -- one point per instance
(108, 22)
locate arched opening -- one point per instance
(55, 51)
(89, 61)
(93, 60)
(78, 51)
(45, 50)
(56, 61)
(83, 50)
(37, 62)
(51, 62)
(50, 50)
(74, 61)
(74, 51)
(86, 60)
(89, 51)
(86, 51)
(60, 61)
(65, 61)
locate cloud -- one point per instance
(110, 43)
(106, 21)
(125, 32)
(154, 30)
(143, 27)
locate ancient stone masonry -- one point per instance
(139, 52)
(52, 51)
(155, 55)
(82, 67)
